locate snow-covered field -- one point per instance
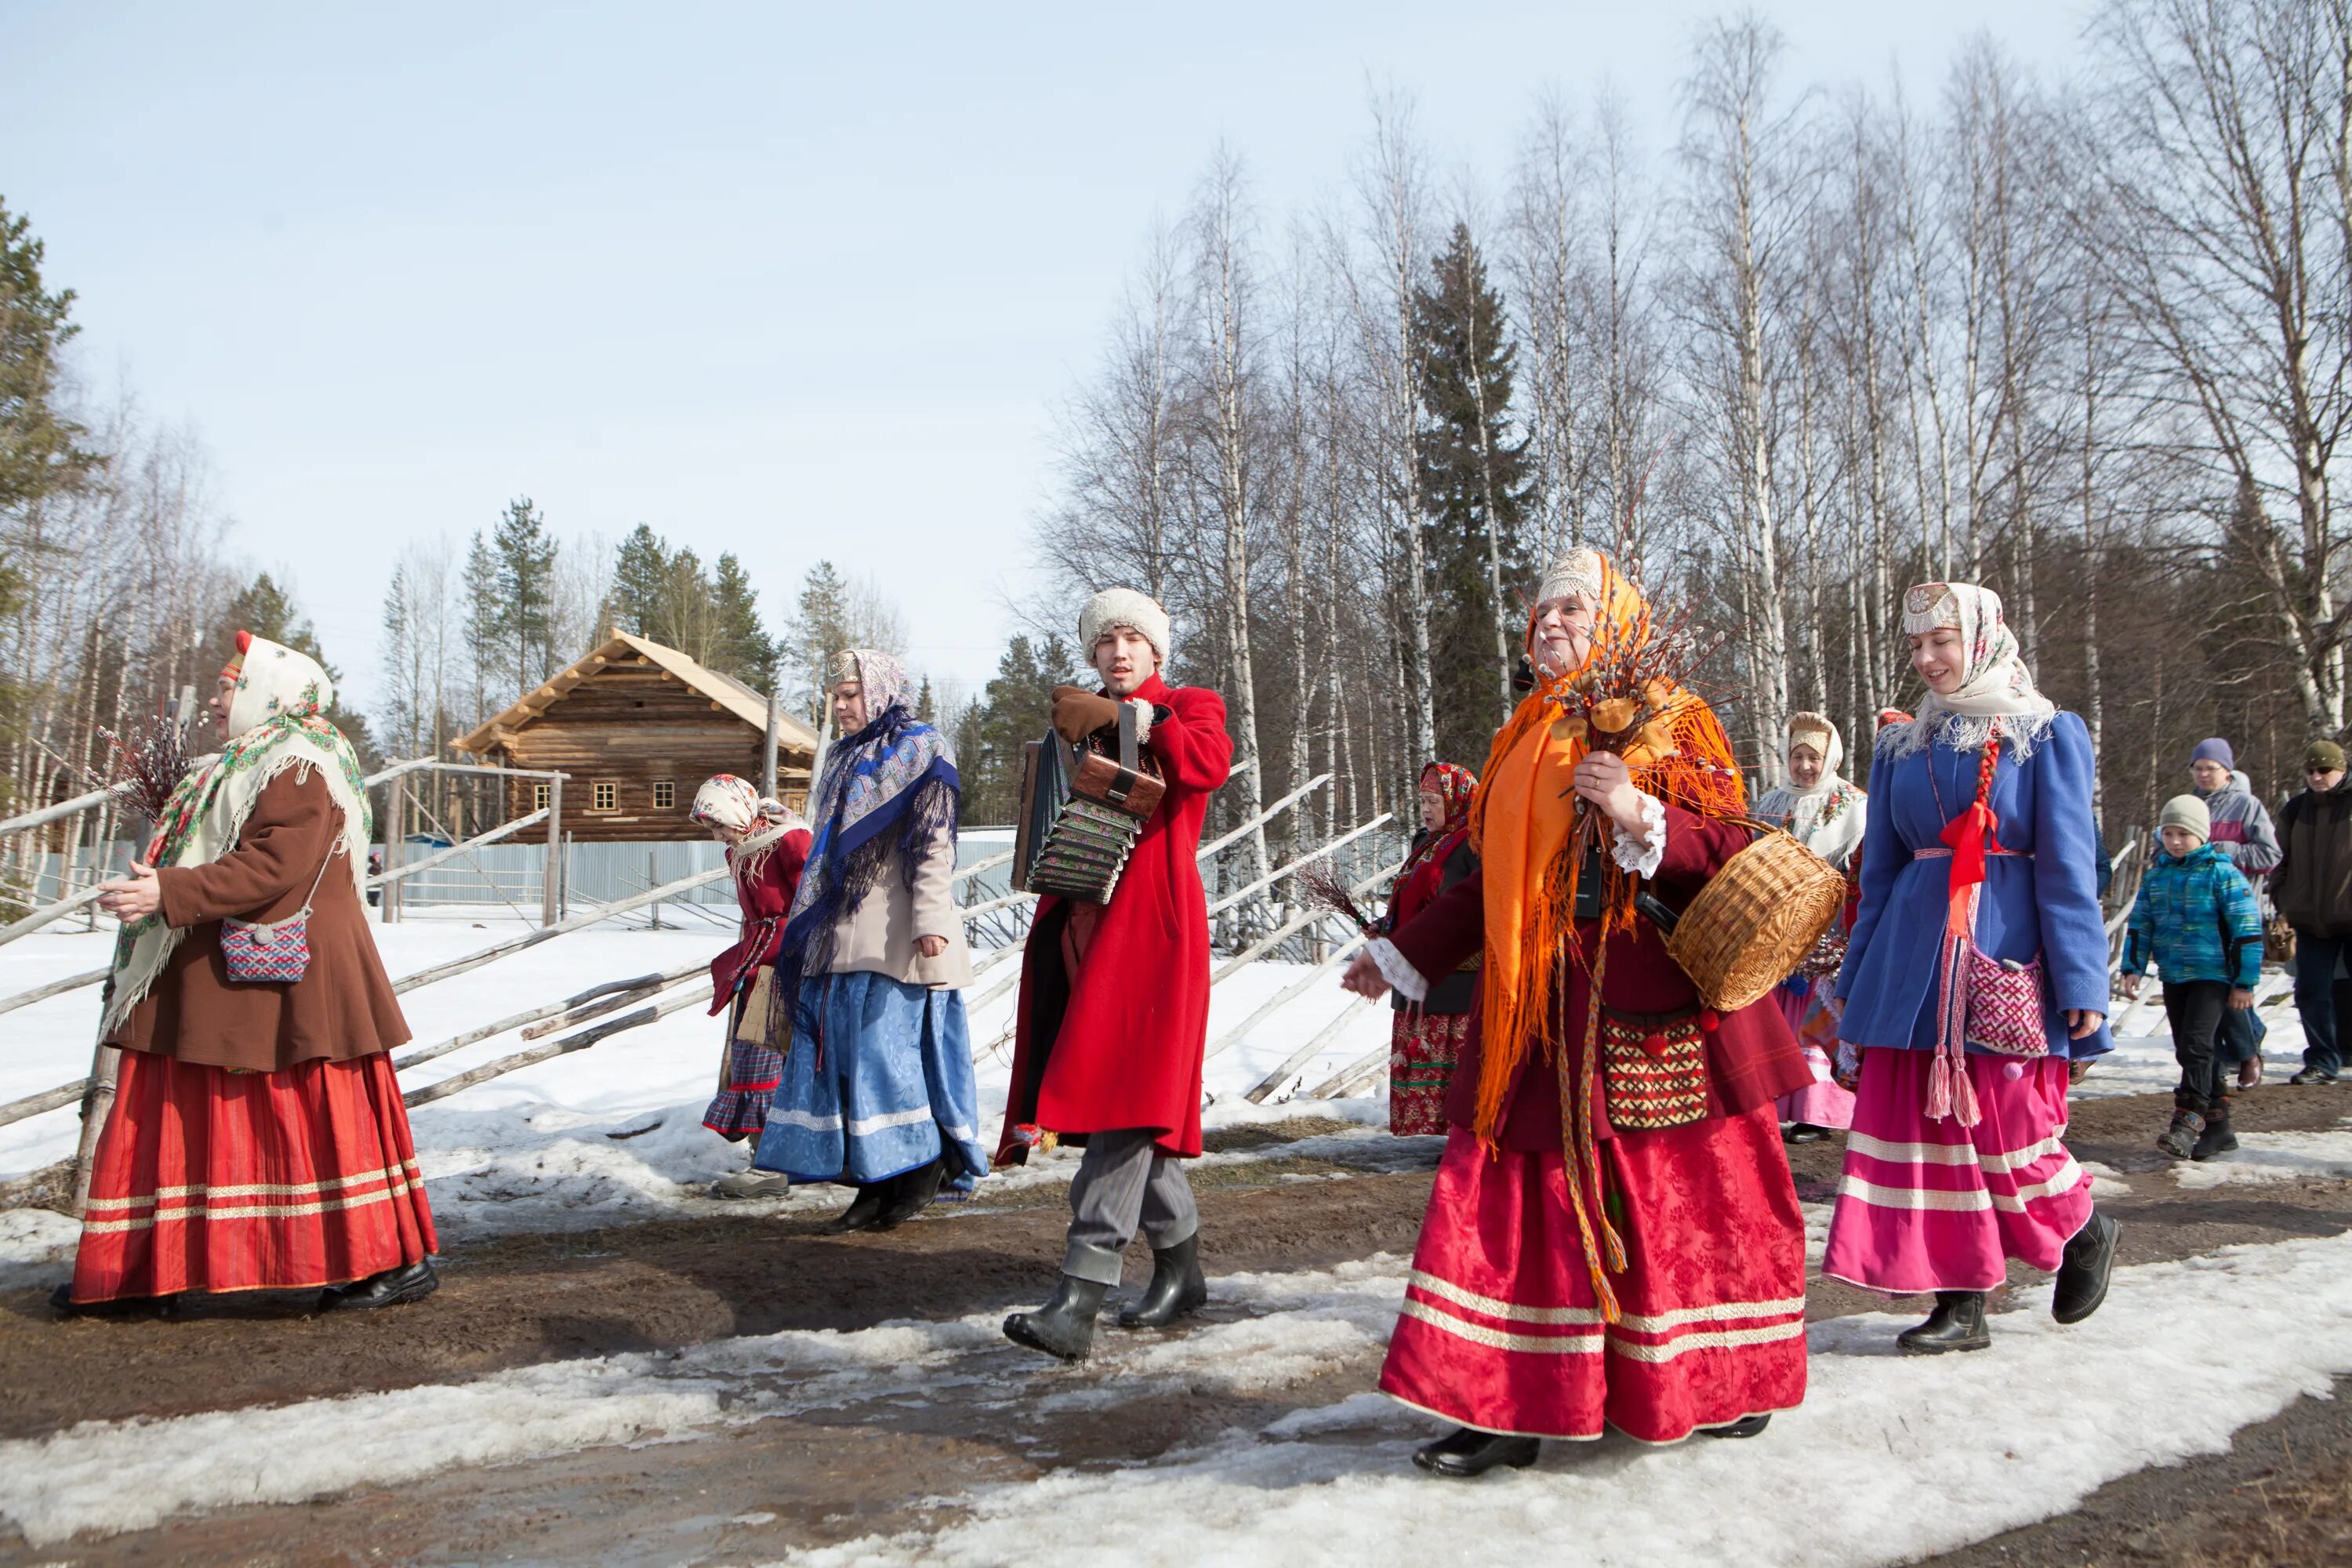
(532, 1150)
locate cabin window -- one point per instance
(541, 794)
(607, 795)
(664, 794)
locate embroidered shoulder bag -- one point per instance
(273, 952)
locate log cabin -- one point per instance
(637, 726)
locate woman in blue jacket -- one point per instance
(1975, 987)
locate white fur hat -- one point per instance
(1115, 608)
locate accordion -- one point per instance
(1082, 809)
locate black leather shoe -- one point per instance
(413, 1283)
(1064, 1326)
(1746, 1427)
(1177, 1287)
(2082, 1272)
(61, 1299)
(864, 1210)
(1468, 1451)
(1805, 1133)
(1957, 1323)
(911, 1194)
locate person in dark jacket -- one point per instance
(2312, 888)
(2196, 917)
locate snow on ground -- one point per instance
(2274, 1157)
(536, 1149)
(2014, 1435)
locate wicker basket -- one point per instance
(1756, 919)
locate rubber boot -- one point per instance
(911, 1193)
(2085, 1269)
(1064, 1326)
(2217, 1139)
(1957, 1323)
(1466, 1451)
(1746, 1427)
(863, 1209)
(1177, 1289)
(2180, 1139)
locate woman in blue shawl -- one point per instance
(877, 1091)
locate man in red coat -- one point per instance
(1114, 1009)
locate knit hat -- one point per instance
(2215, 750)
(2324, 755)
(1115, 607)
(2187, 811)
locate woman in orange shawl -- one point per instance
(1613, 1238)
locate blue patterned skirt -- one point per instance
(748, 1075)
(886, 1086)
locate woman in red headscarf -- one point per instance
(1614, 1238)
(1425, 1038)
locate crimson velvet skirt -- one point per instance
(211, 1180)
(1933, 1205)
(1501, 1330)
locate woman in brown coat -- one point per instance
(257, 1140)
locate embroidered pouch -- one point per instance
(1653, 1069)
(2005, 1005)
(272, 952)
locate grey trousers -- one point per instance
(1122, 1184)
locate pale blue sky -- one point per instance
(790, 280)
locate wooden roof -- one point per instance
(724, 691)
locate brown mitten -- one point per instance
(1079, 712)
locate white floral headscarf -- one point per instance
(1994, 683)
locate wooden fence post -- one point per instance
(550, 895)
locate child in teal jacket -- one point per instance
(2197, 917)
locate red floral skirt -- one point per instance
(1423, 1049)
(1501, 1330)
(211, 1180)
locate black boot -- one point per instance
(1805, 1133)
(2180, 1139)
(1064, 1326)
(1957, 1323)
(863, 1209)
(1746, 1427)
(392, 1288)
(911, 1194)
(2217, 1139)
(1177, 1287)
(61, 1299)
(1468, 1451)
(2085, 1269)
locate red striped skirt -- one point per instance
(1934, 1206)
(1423, 1050)
(211, 1180)
(1501, 1330)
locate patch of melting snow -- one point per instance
(2014, 1435)
(2106, 1182)
(2273, 1157)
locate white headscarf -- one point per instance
(726, 801)
(1827, 817)
(276, 680)
(1994, 681)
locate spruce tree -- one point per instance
(820, 630)
(926, 706)
(1475, 488)
(525, 553)
(741, 647)
(486, 622)
(39, 447)
(640, 573)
